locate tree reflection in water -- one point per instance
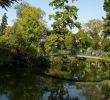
(27, 85)
(106, 92)
(58, 91)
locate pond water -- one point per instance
(24, 83)
(35, 87)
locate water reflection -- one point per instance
(80, 68)
(106, 92)
(30, 86)
(21, 83)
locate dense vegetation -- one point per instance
(28, 40)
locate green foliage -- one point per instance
(94, 29)
(31, 25)
(51, 43)
(106, 82)
(3, 24)
(7, 3)
(106, 45)
(66, 15)
(107, 19)
(21, 43)
(22, 39)
(69, 41)
(61, 38)
(106, 26)
(58, 43)
(83, 41)
(30, 19)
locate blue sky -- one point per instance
(88, 9)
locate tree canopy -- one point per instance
(106, 41)
(65, 16)
(94, 29)
(22, 39)
(107, 19)
(65, 19)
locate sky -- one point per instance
(88, 9)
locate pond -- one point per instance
(66, 79)
(37, 87)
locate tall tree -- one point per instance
(65, 16)
(106, 41)
(7, 3)
(107, 19)
(30, 20)
(65, 19)
(3, 23)
(94, 28)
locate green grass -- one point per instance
(93, 59)
(106, 82)
(106, 59)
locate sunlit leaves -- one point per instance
(83, 40)
(51, 43)
(66, 15)
(94, 27)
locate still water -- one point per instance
(36, 87)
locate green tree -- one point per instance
(65, 16)
(3, 24)
(32, 25)
(64, 20)
(106, 7)
(106, 41)
(82, 41)
(94, 29)
(21, 42)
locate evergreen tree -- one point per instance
(3, 23)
